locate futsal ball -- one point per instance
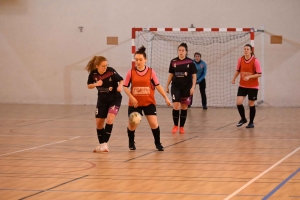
(135, 118)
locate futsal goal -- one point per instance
(220, 49)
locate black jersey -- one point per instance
(182, 71)
(108, 90)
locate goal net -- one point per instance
(220, 49)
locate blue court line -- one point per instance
(281, 184)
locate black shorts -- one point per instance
(103, 108)
(251, 92)
(148, 110)
(181, 95)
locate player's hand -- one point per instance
(134, 102)
(119, 88)
(167, 90)
(192, 90)
(233, 81)
(168, 102)
(246, 78)
(99, 83)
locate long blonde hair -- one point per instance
(96, 60)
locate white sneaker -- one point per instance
(104, 147)
(97, 149)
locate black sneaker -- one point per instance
(250, 125)
(132, 146)
(204, 107)
(159, 147)
(241, 122)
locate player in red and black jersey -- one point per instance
(109, 85)
(182, 74)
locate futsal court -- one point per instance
(46, 152)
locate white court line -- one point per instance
(260, 175)
(39, 146)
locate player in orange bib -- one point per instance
(143, 81)
(248, 67)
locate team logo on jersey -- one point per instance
(185, 73)
(110, 79)
(201, 66)
(180, 74)
(188, 66)
(140, 90)
(174, 65)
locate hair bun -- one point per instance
(142, 49)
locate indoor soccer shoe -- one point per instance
(241, 122)
(105, 147)
(181, 130)
(250, 125)
(101, 148)
(97, 149)
(132, 146)
(159, 147)
(175, 129)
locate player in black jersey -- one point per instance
(182, 74)
(109, 85)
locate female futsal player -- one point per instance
(249, 69)
(143, 82)
(182, 73)
(109, 85)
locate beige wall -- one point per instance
(43, 53)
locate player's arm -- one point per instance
(257, 71)
(119, 88)
(132, 99)
(127, 91)
(192, 90)
(237, 72)
(170, 77)
(193, 71)
(234, 77)
(91, 83)
(162, 92)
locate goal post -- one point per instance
(220, 48)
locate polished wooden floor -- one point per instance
(46, 153)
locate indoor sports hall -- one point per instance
(47, 112)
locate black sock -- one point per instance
(130, 135)
(156, 135)
(252, 113)
(183, 115)
(175, 114)
(100, 134)
(241, 110)
(108, 129)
